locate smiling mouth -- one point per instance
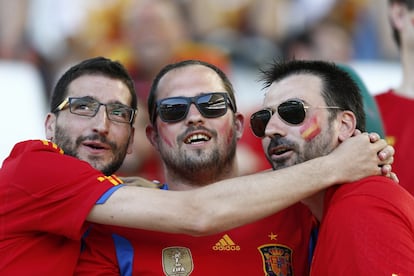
(197, 138)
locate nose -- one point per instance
(275, 126)
(100, 121)
(194, 116)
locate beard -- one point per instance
(200, 165)
(321, 145)
(72, 149)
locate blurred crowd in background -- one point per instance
(39, 39)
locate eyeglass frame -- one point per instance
(67, 102)
(273, 110)
(192, 100)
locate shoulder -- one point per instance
(379, 187)
(370, 195)
(33, 146)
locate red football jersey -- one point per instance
(276, 245)
(45, 197)
(367, 229)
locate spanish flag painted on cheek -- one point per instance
(310, 129)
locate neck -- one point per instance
(315, 204)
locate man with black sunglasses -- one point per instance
(195, 127)
(367, 228)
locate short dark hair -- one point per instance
(93, 66)
(152, 97)
(338, 87)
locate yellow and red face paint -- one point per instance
(310, 129)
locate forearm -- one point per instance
(233, 202)
(214, 208)
(245, 199)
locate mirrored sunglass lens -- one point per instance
(172, 110)
(258, 122)
(212, 105)
(293, 112)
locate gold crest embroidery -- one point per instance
(177, 261)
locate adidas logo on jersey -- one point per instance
(226, 244)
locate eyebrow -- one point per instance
(95, 99)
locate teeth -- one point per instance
(197, 138)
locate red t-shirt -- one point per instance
(367, 229)
(397, 113)
(45, 197)
(276, 245)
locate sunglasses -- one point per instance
(210, 105)
(292, 112)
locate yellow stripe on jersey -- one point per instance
(53, 145)
(112, 178)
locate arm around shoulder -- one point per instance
(216, 207)
(233, 202)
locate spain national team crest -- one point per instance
(177, 261)
(277, 260)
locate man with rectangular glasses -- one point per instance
(195, 127)
(367, 228)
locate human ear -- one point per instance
(152, 135)
(131, 140)
(239, 124)
(50, 123)
(347, 125)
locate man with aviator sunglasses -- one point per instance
(195, 127)
(292, 111)
(367, 228)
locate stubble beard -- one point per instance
(192, 165)
(70, 148)
(319, 146)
